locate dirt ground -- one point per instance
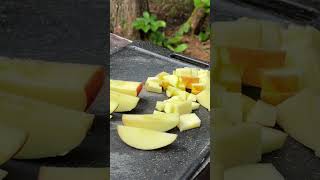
(196, 49)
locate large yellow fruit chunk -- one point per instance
(299, 117)
(11, 141)
(189, 121)
(247, 104)
(69, 85)
(68, 173)
(52, 130)
(145, 139)
(204, 98)
(3, 174)
(272, 139)
(127, 87)
(159, 122)
(263, 113)
(126, 102)
(253, 172)
(271, 35)
(238, 145)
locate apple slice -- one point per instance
(126, 102)
(11, 141)
(158, 112)
(272, 139)
(204, 98)
(195, 105)
(189, 121)
(69, 85)
(52, 130)
(113, 106)
(263, 113)
(145, 139)
(299, 117)
(3, 174)
(127, 87)
(159, 122)
(152, 86)
(253, 172)
(73, 173)
(238, 145)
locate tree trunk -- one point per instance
(196, 19)
(123, 13)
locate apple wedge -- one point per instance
(127, 87)
(126, 102)
(272, 139)
(253, 172)
(145, 139)
(11, 141)
(52, 130)
(3, 174)
(73, 86)
(204, 98)
(159, 122)
(113, 106)
(73, 173)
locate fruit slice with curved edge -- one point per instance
(11, 141)
(68, 173)
(159, 122)
(52, 130)
(113, 106)
(204, 98)
(145, 139)
(272, 139)
(126, 87)
(189, 121)
(70, 85)
(253, 172)
(3, 174)
(126, 102)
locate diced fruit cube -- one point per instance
(153, 86)
(271, 35)
(238, 145)
(247, 104)
(272, 139)
(161, 75)
(183, 72)
(263, 113)
(197, 88)
(192, 97)
(189, 121)
(173, 80)
(230, 78)
(160, 106)
(159, 122)
(145, 139)
(253, 172)
(183, 107)
(195, 105)
(204, 98)
(168, 108)
(275, 98)
(189, 80)
(220, 122)
(233, 103)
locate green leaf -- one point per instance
(180, 48)
(174, 40)
(197, 3)
(162, 24)
(203, 36)
(145, 29)
(146, 15)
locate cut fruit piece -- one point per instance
(248, 34)
(275, 98)
(195, 105)
(160, 105)
(281, 80)
(159, 122)
(126, 87)
(238, 145)
(126, 102)
(52, 130)
(161, 75)
(230, 78)
(183, 72)
(204, 98)
(73, 86)
(299, 117)
(263, 113)
(272, 139)
(189, 121)
(158, 112)
(271, 35)
(189, 80)
(68, 173)
(233, 103)
(192, 97)
(183, 107)
(3, 174)
(145, 139)
(247, 104)
(11, 141)
(197, 88)
(220, 122)
(152, 86)
(168, 108)
(113, 106)
(253, 172)
(173, 80)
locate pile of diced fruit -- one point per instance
(187, 89)
(283, 65)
